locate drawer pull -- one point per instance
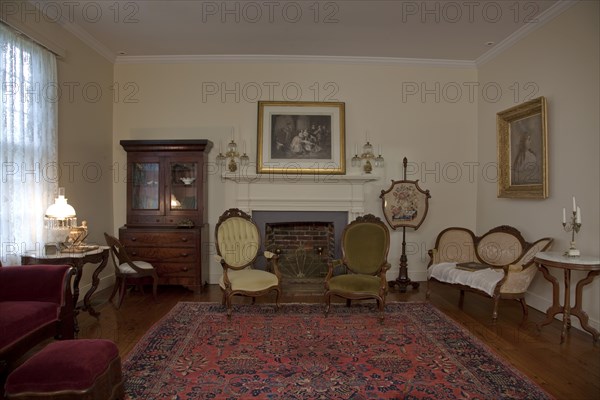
(133, 238)
(134, 253)
(184, 239)
(184, 254)
(185, 269)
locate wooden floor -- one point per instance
(567, 371)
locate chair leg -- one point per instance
(115, 288)
(524, 308)
(228, 305)
(461, 299)
(381, 307)
(277, 294)
(348, 302)
(327, 302)
(154, 288)
(495, 313)
(121, 293)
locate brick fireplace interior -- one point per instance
(305, 241)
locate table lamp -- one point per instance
(59, 219)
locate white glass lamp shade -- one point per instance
(60, 214)
(367, 150)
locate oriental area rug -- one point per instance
(196, 352)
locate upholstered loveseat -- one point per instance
(35, 304)
(508, 259)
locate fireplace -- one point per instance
(304, 248)
(305, 241)
(327, 202)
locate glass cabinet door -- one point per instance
(145, 186)
(184, 190)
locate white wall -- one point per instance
(439, 136)
(561, 60)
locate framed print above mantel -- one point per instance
(522, 135)
(301, 137)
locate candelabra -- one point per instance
(366, 156)
(573, 226)
(232, 154)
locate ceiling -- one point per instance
(425, 30)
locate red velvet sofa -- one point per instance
(35, 304)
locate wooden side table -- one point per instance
(554, 259)
(78, 260)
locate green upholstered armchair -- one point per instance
(238, 245)
(365, 246)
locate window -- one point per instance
(28, 142)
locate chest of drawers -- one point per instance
(176, 253)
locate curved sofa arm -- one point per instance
(47, 283)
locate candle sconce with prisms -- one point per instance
(233, 156)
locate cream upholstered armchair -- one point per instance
(365, 246)
(238, 245)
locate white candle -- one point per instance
(574, 205)
(244, 146)
(379, 147)
(564, 216)
(220, 147)
(356, 148)
(578, 216)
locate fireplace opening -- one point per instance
(304, 249)
(304, 253)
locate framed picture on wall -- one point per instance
(301, 137)
(522, 136)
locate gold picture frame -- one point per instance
(522, 135)
(301, 137)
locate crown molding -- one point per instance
(88, 39)
(75, 29)
(268, 58)
(545, 17)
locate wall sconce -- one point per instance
(232, 154)
(365, 158)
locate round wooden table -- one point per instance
(553, 259)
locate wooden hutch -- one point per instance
(166, 208)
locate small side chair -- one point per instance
(238, 244)
(365, 246)
(128, 271)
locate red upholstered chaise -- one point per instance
(35, 304)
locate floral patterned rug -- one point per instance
(195, 352)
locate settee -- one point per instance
(35, 304)
(503, 263)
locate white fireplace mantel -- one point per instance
(301, 192)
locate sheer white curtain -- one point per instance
(28, 144)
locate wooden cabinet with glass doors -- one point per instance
(166, 208)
